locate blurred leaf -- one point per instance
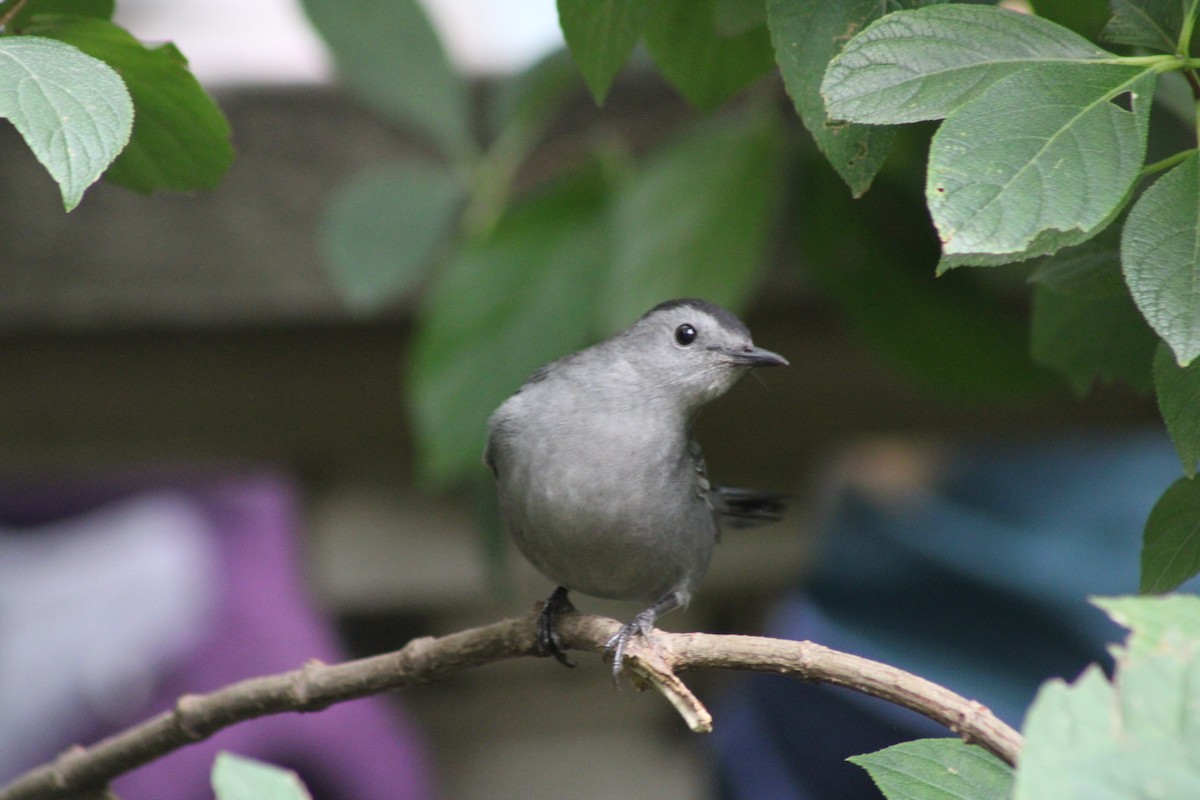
(695, 221)
(505, 305)
(1084, 323)
(181, 140)
(529, 97)
(1170, 623)
(523, 108)
(73, 110)
(1085, 17)
(924, 64)
(389, 53)
(1171, 544)
(806, 36)
(949, 334)
(1012, 173)
(1159, 255)
(937, 769)
(239, 778)
(602, 35)
(32, 10)
(1154, 24)
(1134, 738)
(382, 227)
(1178, 392)
(704, 66)
(731, 17)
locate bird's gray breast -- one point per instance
(601, 503)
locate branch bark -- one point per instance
(650, 661)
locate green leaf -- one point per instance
(240, 778)
(924, 64)
(1085, 17)
(181, 140)
(601, 35)
(1013, 173)
(72, 110)
(1171, 544)
(388, 52)
(806, 36)
(1135, 738)
(1084, 323)
(695, 221)
(937, 769)
(731, 17)
(1153, 24)
(1170, 623)
(1160, 253)
(954, 335)
(705, 67)
(382, 227)
(529, 99)
(34, 10)
(1178, 392)
(502, 307)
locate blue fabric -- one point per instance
(980, 585)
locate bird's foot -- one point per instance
(549, 643)
(640, 625)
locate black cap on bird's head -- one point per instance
(724, 316)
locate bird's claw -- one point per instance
(548, 642)
(638, 626)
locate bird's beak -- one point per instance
(758, 357)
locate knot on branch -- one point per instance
(302, 687)
(189, 717)
(64, 765)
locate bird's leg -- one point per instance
(640, 625)
(548, 641)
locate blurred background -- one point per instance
(221, 450)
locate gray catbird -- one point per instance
(599, 478)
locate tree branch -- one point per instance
(11, 13)
(652, 660)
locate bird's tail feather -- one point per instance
(744, 508)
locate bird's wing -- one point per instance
(700, 471)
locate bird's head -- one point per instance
(694, 350)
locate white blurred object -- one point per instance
(495, 36)
(271, 41)
(91, 609)
(228, 41)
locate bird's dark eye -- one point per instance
(685, 334)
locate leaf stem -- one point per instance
(1166, 163)
(1183, 46)
(1162, 62)
(1193, 83)
(494, 175)
(1165, 63)
(1196, 121)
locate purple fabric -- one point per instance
(263, 623)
